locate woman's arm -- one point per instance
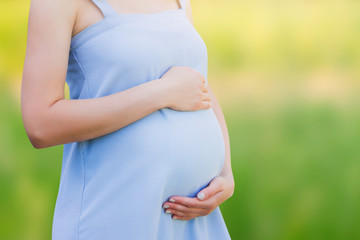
(50, 119)
(219, 189)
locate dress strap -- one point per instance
(106, 9)
(183, 4)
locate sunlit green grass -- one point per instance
(297, 173)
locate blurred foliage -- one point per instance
(286, 73)
(280, 35)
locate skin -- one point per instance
(50, 119)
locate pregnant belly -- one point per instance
(197, 149)
(174, 152)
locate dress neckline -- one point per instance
(108, 22)
(109, 11)
(113, 18)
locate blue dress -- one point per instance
(113, 187)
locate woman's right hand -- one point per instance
(186, 89)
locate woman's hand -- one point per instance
(185, 208)
(185, 89)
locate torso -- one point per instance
(105, 180)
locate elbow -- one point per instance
(37, 133)
(42, 136)
(37, 138)
(38, 124)
(37, 129)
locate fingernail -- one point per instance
(171, 200)
(175, 217)
(201, 195)
(166, 206)
(168, 211)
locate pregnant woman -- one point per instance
(146, 150)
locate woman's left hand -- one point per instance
(185, 208)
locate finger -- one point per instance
(181, 214)
(205, 88)
(216, 185)
(206, 104)
(203, 79)
(205, 97)
(206, 206)
(198, 213)
(181, 208)
(187, 202)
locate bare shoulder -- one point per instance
(52, 16)
(62, 7)
(48, 41)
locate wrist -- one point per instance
(161, 95)
(227, 174)
(230, 182)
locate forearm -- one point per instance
(82, 119)
(227, 170)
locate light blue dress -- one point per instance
(113, 187)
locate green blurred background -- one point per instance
(286, 73)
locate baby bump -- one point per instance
(176, 151)
(197, 149)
